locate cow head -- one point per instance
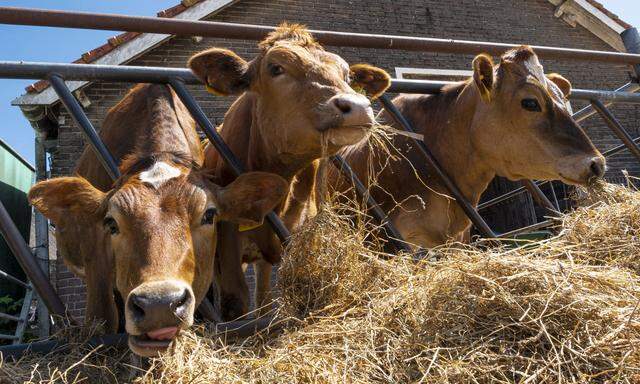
(158, 225)
(528, 130)
(307, 99)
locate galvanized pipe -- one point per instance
(6, 316)
(223, 149)
(392, 233)
(616, 127)
(12, 279)
(29, 263)
(619, 148)
(81, 119)
(506, 196)
(140, 74)
(539, 197)
(530, 228)
(230, 330)
(588, 111)
(67, 19)
(449, 184)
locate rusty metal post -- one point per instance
(67, 19)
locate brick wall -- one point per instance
(517, 21)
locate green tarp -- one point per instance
(16, 177)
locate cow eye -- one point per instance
(209, 216)
(110, 224)
(531, 105)
(275, 70)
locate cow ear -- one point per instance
(373, 80)
(66, 199)
(250, 197)
(222, 71)
(561, 82)
(483, 76)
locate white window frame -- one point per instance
(402, 72)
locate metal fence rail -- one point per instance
(114, 22)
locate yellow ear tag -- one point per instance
(212, 90)
(248, 227)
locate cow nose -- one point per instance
(597, 167)
(355, 109)
(160, 304)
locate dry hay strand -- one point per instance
(75, 362)
(606, 227)
(528, 315)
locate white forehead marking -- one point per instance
(159, 173)
(534, 67)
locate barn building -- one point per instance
(583, 24)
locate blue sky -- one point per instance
(66, 45)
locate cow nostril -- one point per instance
(343, 105)
(181, 301)
(136, 306)
(597, 168)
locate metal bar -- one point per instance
(8, 337)
(139, 74)
(539, 197)
(392, 233)
(588, 111)
(6, 316)
(530, 228)
(232, 329)
(616, 127)
(468, 209)
(29, 263)
(67, 19)
(506, 196)
(15, 352)
(24, 314)
(81, 119)
(619, 148)
(90, 72)
(434, 87)
(552, 189)
(216, 140)
(12, 279)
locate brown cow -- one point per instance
(151, 236)
(508, 120)
(297, 105)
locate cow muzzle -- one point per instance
(352, 119)
(354, 109)
(155, 312)
(582, 170)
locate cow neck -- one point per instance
(267, 157)
(451, 142)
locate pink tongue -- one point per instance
(163, 333)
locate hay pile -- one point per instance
(563, 311)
